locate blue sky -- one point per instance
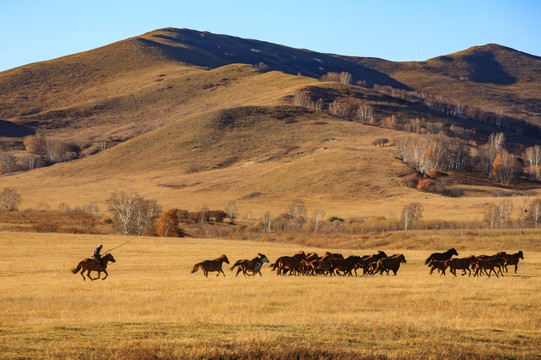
(40, 30)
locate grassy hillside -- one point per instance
(199, 125)
(493, 77)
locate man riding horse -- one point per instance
(97, 255)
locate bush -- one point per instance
(436, 174)
(411, 180)
(381, 142)
(426, 185)
(44, 227)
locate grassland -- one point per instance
(152, 307)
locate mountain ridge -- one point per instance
(234, 103)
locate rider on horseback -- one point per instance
(97, 255)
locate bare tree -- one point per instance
(533, 212)
(267, 221)
(346, 78)
(232, 211)
(532, 156)
(342, 108)
(318, 216)
(489, 152)
(7, 163)
(297, 210)
(365, 113)
(304, 100)
(64, 207)
(123, 207)
(504, 168)
(504, 212)
(411, 213)
(9, 199)
(491, 216)
(146, 212)
(35, 144)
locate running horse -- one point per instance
(211, 265)
(441, 256)
(254, 265)
(90, 265)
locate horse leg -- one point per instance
(99, 275)
(82, 274)
(238, 271)
(205, 272)
(516, 267)
(88, 274)
(106, 274)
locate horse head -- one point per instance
(224, 258)
(452, 251)
(402, 258)
(520, 254)
(263, 258)
(109, 257)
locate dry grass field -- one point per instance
(152, 307)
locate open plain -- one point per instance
(152, 307)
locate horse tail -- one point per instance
(75, 270)
(236, 264)
(196, 267)
(428, 260)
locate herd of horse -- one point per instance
(477, 265)
(334, 264)
(309, 264)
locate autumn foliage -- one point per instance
(168, 224)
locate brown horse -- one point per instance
(492, 264)
(511, 259)
(254, 265)
(438, 264)
(285, 264)
(89, 265)
(442, 256)
(390, 263)
(460, 264)
(211, 265)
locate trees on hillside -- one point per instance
(9, 199)
(411, 213)
(132, 214)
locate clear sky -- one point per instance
(401, 30)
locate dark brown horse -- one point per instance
(442, 256)
(437, 264)
(253, 266)
(285, 264)
(368, 262)
(390, 263)
(511, 259)
(493, 264)
(211, 265)
(460, 264)
(90, 265)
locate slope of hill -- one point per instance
(201, 125)
(493, 77)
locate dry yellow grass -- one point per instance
(151, 305)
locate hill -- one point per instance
(200, 119)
